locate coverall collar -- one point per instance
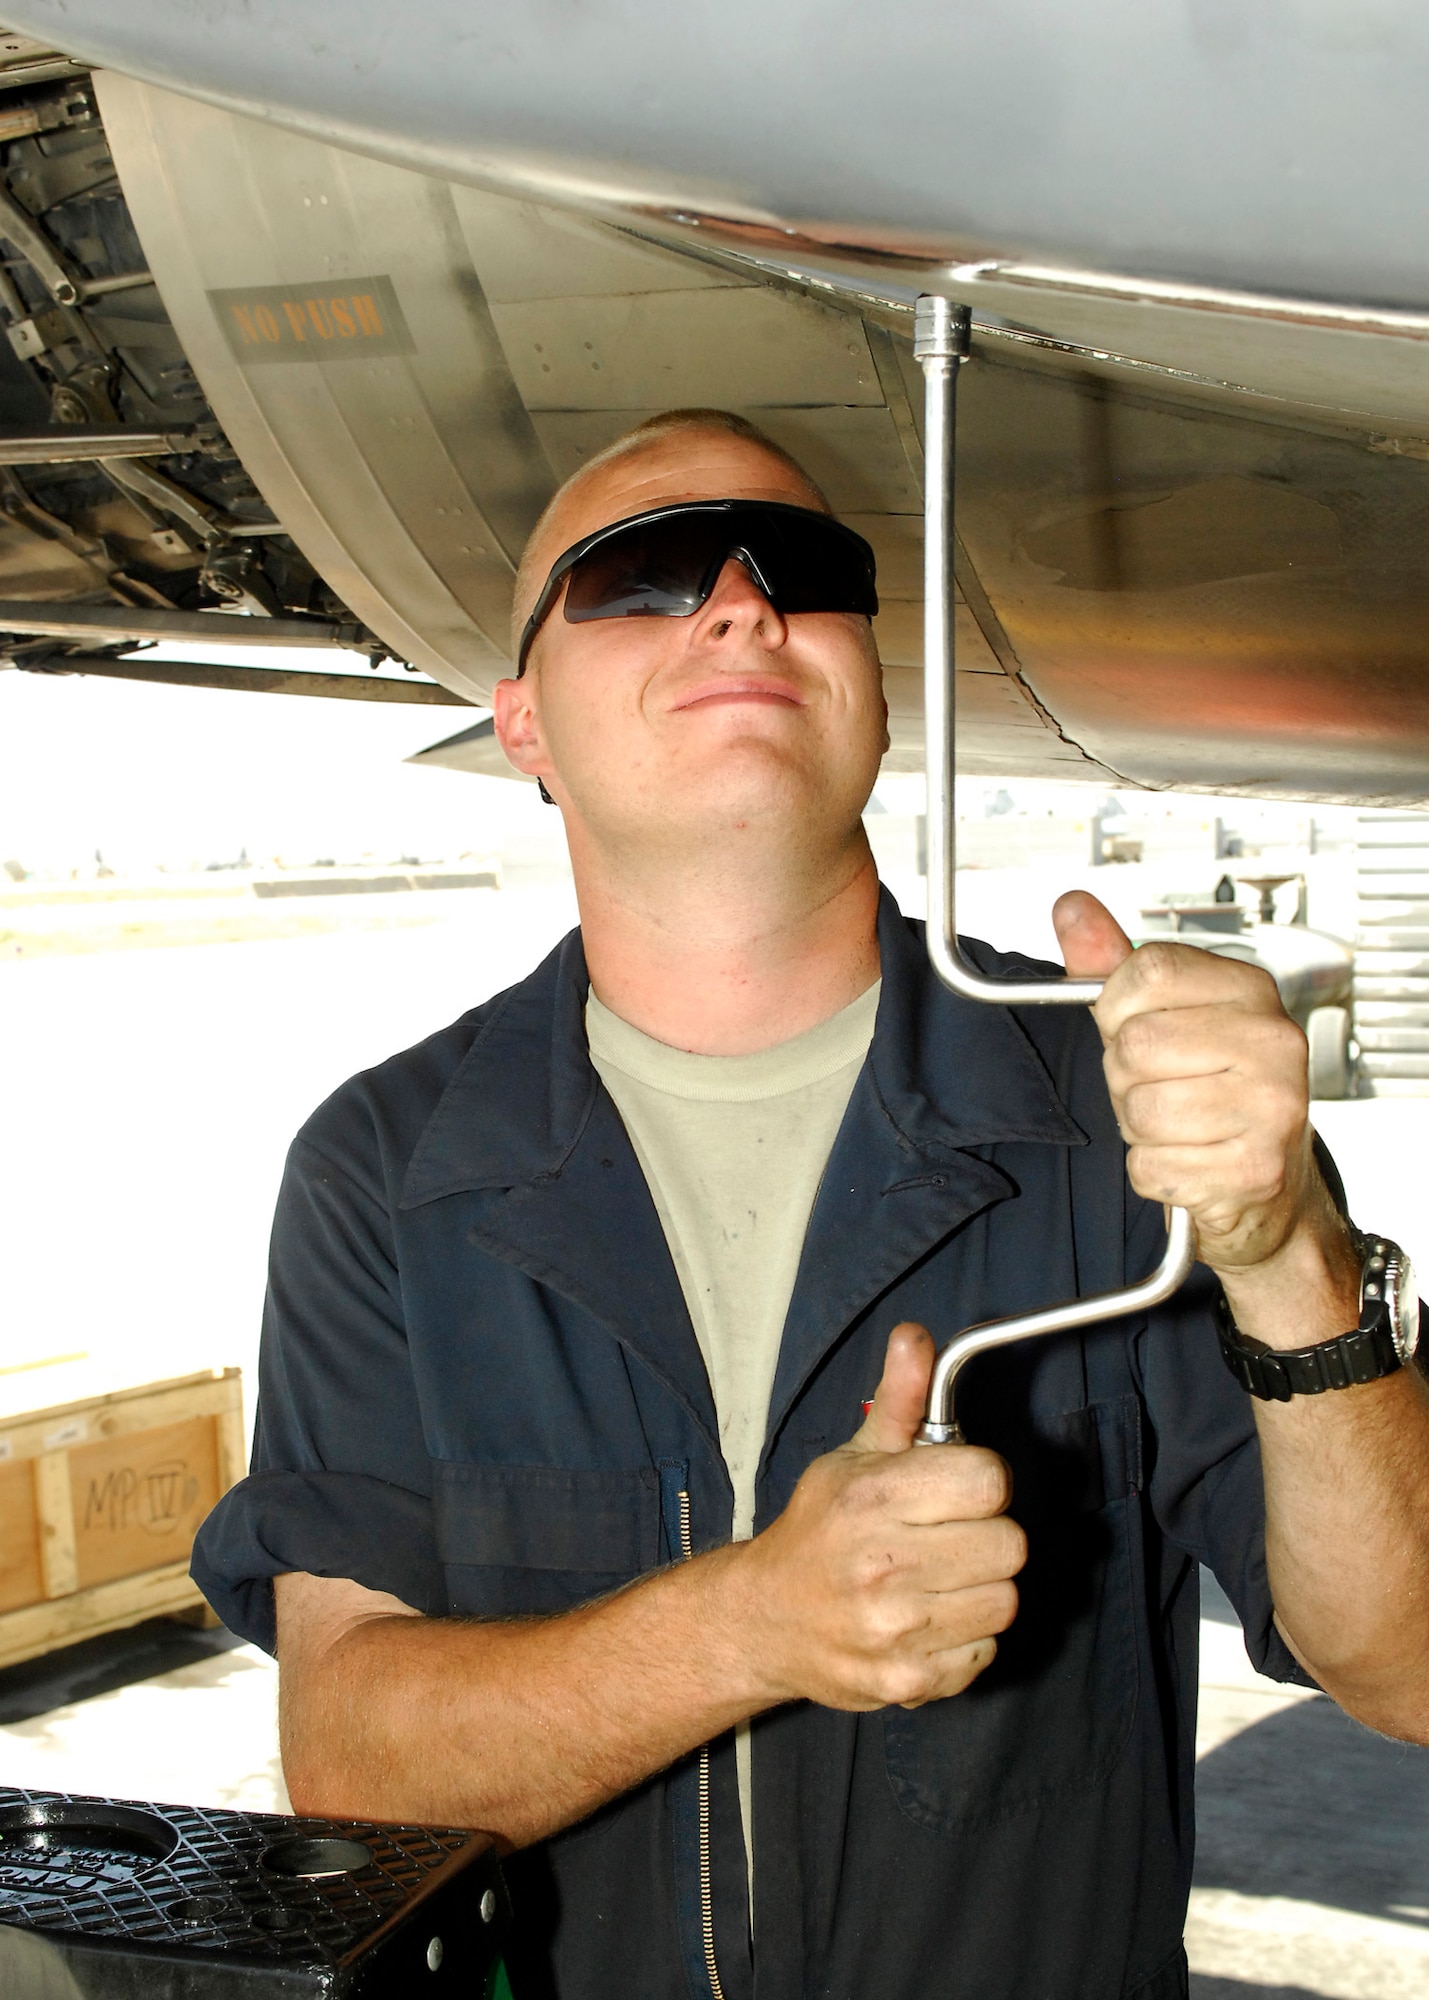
(526, 1123)
(948, 1074)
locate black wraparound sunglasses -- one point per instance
(666, 563)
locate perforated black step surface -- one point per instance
(237, 1902)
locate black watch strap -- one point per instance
(1364, 1354)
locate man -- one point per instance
(576, 1533)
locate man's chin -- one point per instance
(751, 779)
(750, 789)
(772, 808)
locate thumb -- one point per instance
(899, 1406)
(1093, 942)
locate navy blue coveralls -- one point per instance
(481, 1391)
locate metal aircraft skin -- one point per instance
(356, 289)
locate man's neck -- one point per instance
(724, 966)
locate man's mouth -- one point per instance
(742, 688)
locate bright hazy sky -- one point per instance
(181, 777)
(178, 775)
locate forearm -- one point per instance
(518, 1727)
(1347, 1545)
(1346, 1494)
(885, 1579)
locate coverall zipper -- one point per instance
(706, 1891)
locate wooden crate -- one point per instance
(100, 1499)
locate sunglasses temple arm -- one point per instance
(941, 342)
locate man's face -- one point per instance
(680, 729)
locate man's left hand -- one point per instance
(1208, 1077)
(1207, 1074)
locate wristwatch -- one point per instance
(1384, 1340)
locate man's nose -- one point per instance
(738, 604)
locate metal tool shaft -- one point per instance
(940, 1425)
(941, 339)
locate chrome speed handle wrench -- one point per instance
(941, 338)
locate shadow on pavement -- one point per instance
(98, 1666)
(1311, 1805)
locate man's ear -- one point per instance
(516, 718)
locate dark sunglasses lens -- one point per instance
(651, 569)
(664, 568)
(812, 564)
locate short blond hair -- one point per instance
(643, 435)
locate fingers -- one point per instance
(1211, 1111)
(949, 1557)
(1093, 942)
(1197, 1040)
(1161, 976)
(1185, 1035)
(910, 1647)
(1234, 1191)
(1207, 1074)
(921, 1650)
(1222, 1090)
(902, 1395)
(914, 1680)
(1180, 1087)
(914, 1489)
(883, 1561)
(951, 1672)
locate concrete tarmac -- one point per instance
(1312, 1855)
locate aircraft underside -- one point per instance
(1193, 524)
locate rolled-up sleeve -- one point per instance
(340, 1482)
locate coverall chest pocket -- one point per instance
(1053, 1712)
(523, 1539)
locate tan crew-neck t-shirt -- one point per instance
(733, 1149)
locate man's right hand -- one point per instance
(889, 1574)
(884, 1580)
